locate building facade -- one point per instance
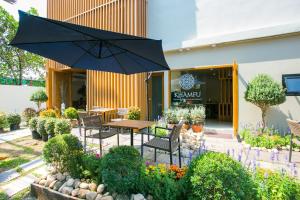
(214, 48)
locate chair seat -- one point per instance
(161, 144)
(103, 135)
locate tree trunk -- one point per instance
(263, 116)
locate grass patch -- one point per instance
(3, 196)
(13, 163)
(22, 194)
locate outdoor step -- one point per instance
(12, 135)
(18, 185)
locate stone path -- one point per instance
(12, 135)
(18, 185)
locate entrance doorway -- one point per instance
(79, 90)
(156, 95)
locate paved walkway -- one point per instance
(12, 135)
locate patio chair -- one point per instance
(295, 131)
(95, 123)
(169, 143)
(121, 112)
(81, 114)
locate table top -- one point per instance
(102, 109)
(133, 124)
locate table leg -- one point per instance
(131, 137)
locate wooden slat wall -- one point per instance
(124, 16)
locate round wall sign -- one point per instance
(187, 81)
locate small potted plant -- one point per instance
(183, 114)
(48, 113)
(71, 114)
(41, 128)
(49, 126)
(39, 97)
(14, 121)
(134, 113)
(33, 127)
(3, 122)
(28, 113)
(171, 117)
(62, 126)
(198, 118)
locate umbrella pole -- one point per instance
(147, 94)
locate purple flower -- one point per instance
(228, 152)
(232, 151)
(272, 156)
(257, 153)
(266, 175)
(239, 157)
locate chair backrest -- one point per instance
(82, 114)
(122, 111)
(175, 133)
(294, 126)
(92, 121)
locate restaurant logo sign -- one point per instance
(187, 81)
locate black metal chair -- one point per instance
(169, 143)
(295, 131)
(81, 115)
(95, 123)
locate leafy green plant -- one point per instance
(171, 116)
(28, 113)
(198, 114)
(3, 120)
(121, 169)
(39, 97)
(33, 123)
(264, 92)
(62, 126)
(64, 152)
(134, 113)
(217, 176)
(71, 113)
(159, 131)
(50, 125)
(41, 126)
(91, 167)
(273, 185)
(48, 113)
(183, 114)
(14, 119)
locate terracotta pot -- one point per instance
(197, 128)
(186, 126)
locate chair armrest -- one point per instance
(144, 133)
(92, 127)
(160, 127)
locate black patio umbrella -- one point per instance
(88, 48)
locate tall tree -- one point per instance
(14, 62)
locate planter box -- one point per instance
(42, 193)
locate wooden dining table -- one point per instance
(131, 124)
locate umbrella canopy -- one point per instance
(88, 48)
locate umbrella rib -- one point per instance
(135, 60)
(116, 59)
(82, 55)
(86, 51)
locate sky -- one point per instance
(40, 5)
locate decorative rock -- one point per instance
(91, 195)
(44, 176)
(37, 180)
(93, 187)
(84, 185)
(52, 184)
(137, 197)
(82, 193)
(98, 197)
(51, 177)
(57, 185)
(149, 197)
(67, 190)
(66, 174)
(107, 198)
(60, 177)
(106, 194)
(64, 185)
(75, 192)
(76, 183)
(48, 182)
(70, 182)
(100, 188)
(122, 197)
(42, 182)
(68, 177)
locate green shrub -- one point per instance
(41, 126)
(62, 126)
(64, 152)
(264, 92)
(121, 169)
(91, 167)
(217, 176)
(273, 185)
(14, 119)
(39, 97)
(3, 120)
(33, 122)
(28, 113)
(184, 115)
(170, 116)
(48, 113)
(50, 125)
(198, 114)
(134, 113)
(71, 113)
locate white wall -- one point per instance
(176, 21)
(15, 98)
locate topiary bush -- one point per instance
(121, 170)
(39, 97)
(33, 122)
(48, 113)
(50, 125)
(64, 152)
(71, 113)
(91, 167)
(41, 128)
(273, 185)
(14, 120)
(264, 92)
(62, 126)
(3, 120)
(28, 113)
(217, 176)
